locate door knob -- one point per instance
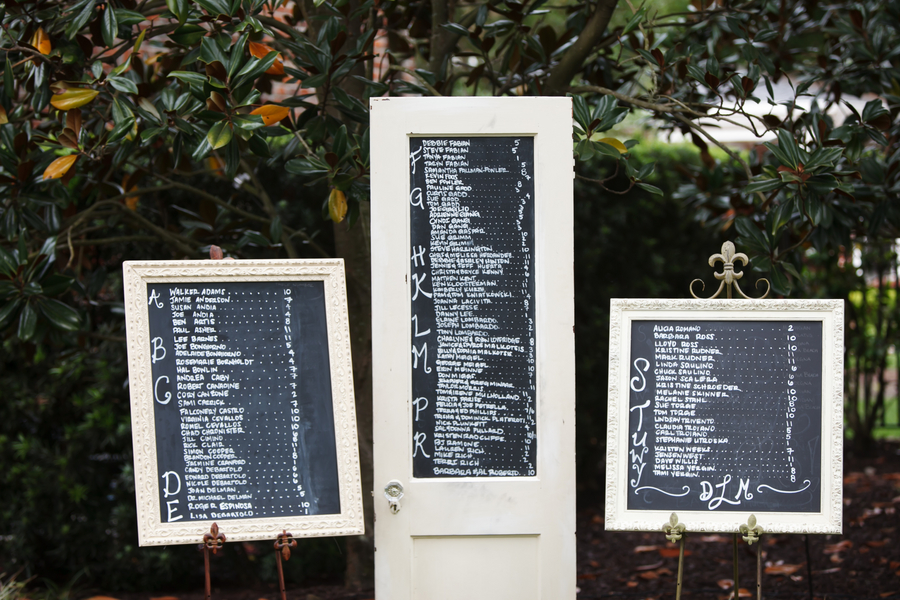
(393, 491)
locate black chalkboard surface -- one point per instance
(725, 416)
(472, 298)
(242, 400)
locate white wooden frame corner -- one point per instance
(151, 530)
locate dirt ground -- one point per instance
(862, 563)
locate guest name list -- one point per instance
(725, 415)
(472, 299)
(244, 425)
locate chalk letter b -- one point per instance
(157, 346)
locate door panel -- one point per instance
(454, 567)
(488, 534)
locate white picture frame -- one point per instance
(621, 460)
(152, 530)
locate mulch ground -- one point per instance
(861, 563)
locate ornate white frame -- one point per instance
(151, 529)
(829, 312)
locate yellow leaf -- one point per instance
(73, 98)
(132, 201)
(615, 144)
(40, 41)
(337, 205)
(3, 118)
(277, 67)
(260, 51)
(271, 113)
(133, 134)
(215, 165)
(60, 166)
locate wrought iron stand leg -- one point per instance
(208, 587)
(759, 570)
(809, 576)
(736, 584)
(211, 541)
(283, 544)
(280, 575)
(675, 533)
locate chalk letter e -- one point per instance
(166, 493)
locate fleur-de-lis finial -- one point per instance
(284, 542)
(673, 529)
(213, 540)
(728, 277)
(751, 531)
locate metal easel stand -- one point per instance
(728, 279)
(283, 544)
(211, 541)
(751, 533)
(675, 533)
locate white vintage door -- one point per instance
(471, 527)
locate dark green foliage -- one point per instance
(150, 105)
(67, 504)
(635, 245)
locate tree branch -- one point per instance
(661, 108)
(243, 213)
(722, 146)
(412, 73)
(122, 239)
(602, 182)
(571, 62)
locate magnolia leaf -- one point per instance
(123, 84)
(614, 143)
(79, 20)
(129, 17)
(73, 98)
(259, 147)
(650, 188)
(220, 134)
(247, 123)
(125, 128)
(762, 185)
(60, 166)
(8, 311)
(179, 8)
(271, 113)
(139, 41)
(149, 107)
(9, 263)
(187, 35)
(73, 122)
(189, 77)
(61, 316)
(337, 205)
(40, 41)
(27, 322)
(110, 26)
(260, 51)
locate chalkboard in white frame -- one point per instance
(236, 367)
(722, 409)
